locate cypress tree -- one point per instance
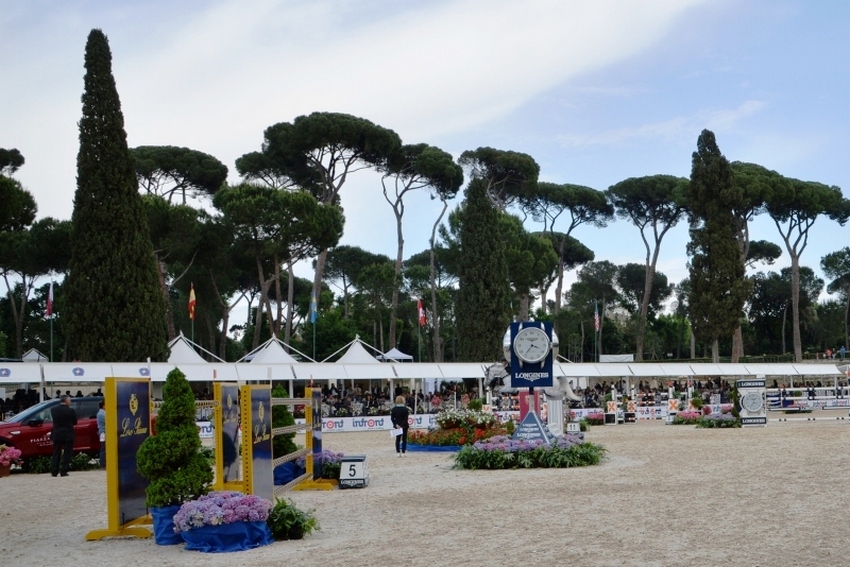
(115, 310)
(718, 286)
(483, 305)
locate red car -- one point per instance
(30, 430)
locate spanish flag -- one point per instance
(192, 302)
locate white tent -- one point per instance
(33, 355)
(395, 355)
(271, 353)
(183, 352)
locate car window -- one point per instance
(43, 415)
(85, 408)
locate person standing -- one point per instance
(399, 416)
(64, 420)
(101, 432)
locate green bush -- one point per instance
(286, 521)
(475, 404)
(172, 460)
(282, 417)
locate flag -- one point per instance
(595, 318)
(421, 309)
(50, 300)
(192, 302)
(314, 308)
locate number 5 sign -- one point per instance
(353, 472)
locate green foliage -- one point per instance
(724, 421)
(166, 170)
(718, 286)
(286, 521)
(282, 417)
(510, 426)
(172, 460)
(483, 308)
(578, 455)
(79, 462)
(475, 404)
(10, 161)
(115, 308)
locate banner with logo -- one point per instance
(127, 403)
(257, 424)
(226, 430)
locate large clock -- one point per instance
(752, 402)
(532, 344)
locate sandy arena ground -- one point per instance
(665, 496)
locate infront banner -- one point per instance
(256, 402)
(371, 423)
(128, 418)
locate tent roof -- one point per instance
(33, 355)
(395, 355)
(272, 353)
(183, 352)
(356, 354)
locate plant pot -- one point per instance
(163, 525)
(630, 417)
(237, 536)
(5, 470)
(295, 532)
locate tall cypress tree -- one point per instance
(114, 307)
(483, 305)
(718, 286)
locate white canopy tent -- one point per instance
(182, 351)
(395, 355)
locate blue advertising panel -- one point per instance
(262, 474)
(316, 429)
(132, 409)
(227, 431)
(531, 354)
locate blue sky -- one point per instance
(596, 91)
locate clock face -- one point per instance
(531, 344)
(752, 402)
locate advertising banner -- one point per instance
(227, 432)
(257, 423)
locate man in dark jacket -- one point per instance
(64, 420)
(399, 416)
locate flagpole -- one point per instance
(50, 315)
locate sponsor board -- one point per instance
(371, 423)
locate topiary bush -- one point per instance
(171, 460)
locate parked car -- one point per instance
(30, 430)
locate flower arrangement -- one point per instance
(356, 408)
(454, 437)
(595, 418)
(502, 452)
(687, 418)
(721, 420)
(221, 507)
(9, 456)
(451, 418)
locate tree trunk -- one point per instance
(715, 350)
(693, 345)
(169, 308)
(437, 343)
(795, 308)
(290, 301)
(258, 320)
(321, 260)
(559, 287)
(737, 345)
(398, 209)
(278, 296)
(784, 322)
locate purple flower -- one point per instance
(223, 507)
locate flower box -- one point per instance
(224, 521)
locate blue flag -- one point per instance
(314, 308)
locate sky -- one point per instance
(596, 92)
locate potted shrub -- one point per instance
(224, 521)
(171, 460)
(286, 521)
